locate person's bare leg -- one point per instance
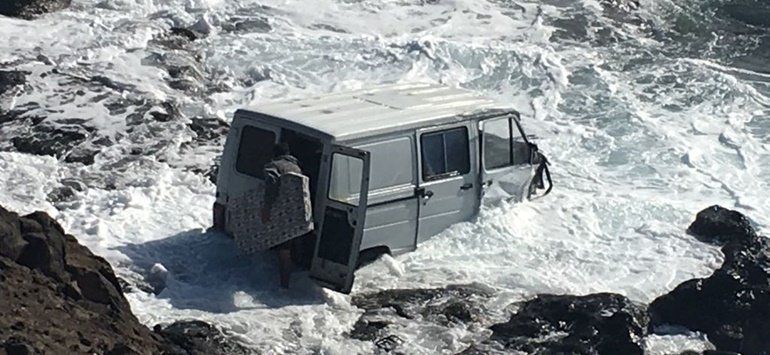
(284, 266)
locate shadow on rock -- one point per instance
(206, 271)
(732, 306)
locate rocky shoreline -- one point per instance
(59, 298)
(732, 307)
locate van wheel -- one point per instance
(368, 256)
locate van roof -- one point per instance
(376, 110)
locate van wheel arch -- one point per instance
(370, 255)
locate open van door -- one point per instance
(343, 213)
(507, 169)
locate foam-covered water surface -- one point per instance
(649, 111)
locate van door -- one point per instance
(506, 169)
(448, 177)
(343, 213)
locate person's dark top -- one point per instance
(273, 170)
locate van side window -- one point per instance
(497, 143)
(391, 162)
(255, 148)
(345, 183)
(445, 153)
(521, 151)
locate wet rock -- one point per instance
(208, 129)
(437, 304)
(49, 139)
(189, 34)
(387, 310)
(253, 24)
(719, 226)
(157, 278)
(199, 338)
(28, 9)
(624, 5)
(11, 78)
(602, 323)
(732, 306)
(751, 12)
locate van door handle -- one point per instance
(467, 186)
(421, 192)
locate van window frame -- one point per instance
(447, 174)
(242, 130)
(409, 162)
(516, 135)
(484, 149)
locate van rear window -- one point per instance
(255, 148)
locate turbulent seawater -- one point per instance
(649, 112)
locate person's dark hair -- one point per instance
(281, 149)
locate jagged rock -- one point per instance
(732, 306)
(718, 226)
(602, 323)
(454, 304)
(439, 304)
(199, 338)
(184, 32)
(59, 298)
(11, 78)
(751, 12)
(47, 139)
(252, 24)
(28, 9)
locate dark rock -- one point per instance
(439, 307)
(602, 323)
(209, 128)
(53, 294)
(11, 78)
(199, 338)
(43, 254)
(28, 9)
(751, 12)
(184, 32)
(17, 346)
(732, 306)
(46, 139)
(11, 242)
(438, 304)
(717, 225)
(247, 25)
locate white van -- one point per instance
(389, 166)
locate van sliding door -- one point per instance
(343, 213)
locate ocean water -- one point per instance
(648, 111)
